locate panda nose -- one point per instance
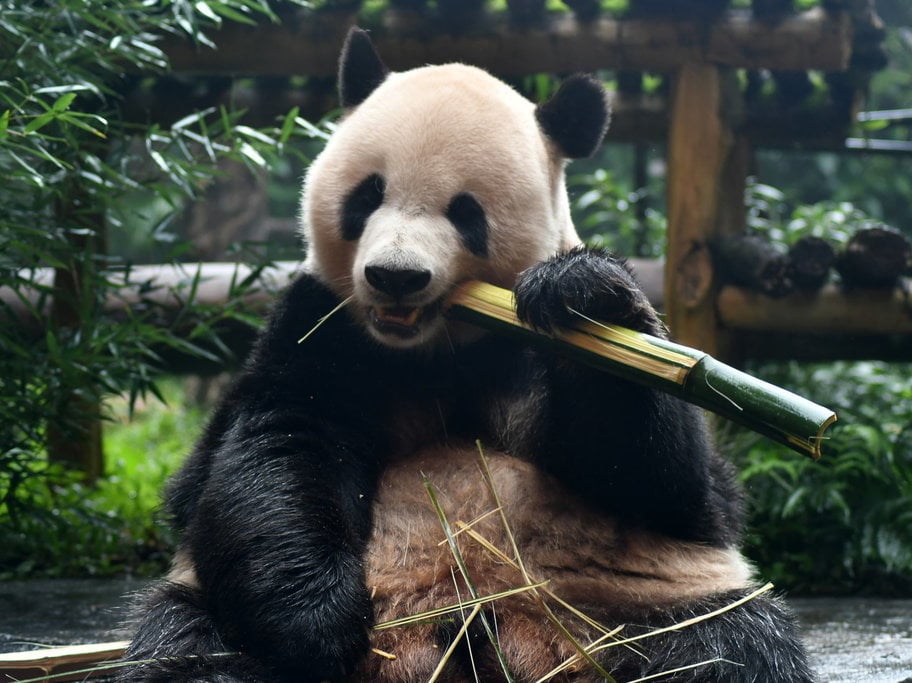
(397, 282)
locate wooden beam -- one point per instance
(814, 39)
(876, 316)
(161, 286)
(832, 310)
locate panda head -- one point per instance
(435, 176)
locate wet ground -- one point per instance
(851, 640)
(858, 640)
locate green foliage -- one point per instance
(606, 214)
(844, 523)
(71, 165)
(114, 527)
(768, 213)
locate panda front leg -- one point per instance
(289, 505)
(274, 561)
(629, 450)
(273, 506)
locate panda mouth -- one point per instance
(400, 321)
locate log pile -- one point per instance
(875, 257)
(772, 44)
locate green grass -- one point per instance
(63, 527)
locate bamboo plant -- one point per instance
(687, 373)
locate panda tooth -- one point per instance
(401, 316)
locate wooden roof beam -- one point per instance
(814, 39)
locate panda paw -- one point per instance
(584, 281)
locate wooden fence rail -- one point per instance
(869, 320)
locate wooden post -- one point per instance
(707, 167)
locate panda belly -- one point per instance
(611, 573)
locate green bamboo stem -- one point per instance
(692, 375)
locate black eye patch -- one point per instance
(360, 203)
(466, 214)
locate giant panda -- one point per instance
(397, 461)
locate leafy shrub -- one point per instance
(768, 213)
(844, 523)
(72, 166)
(114, 526)
(71, 163)
(605, 213)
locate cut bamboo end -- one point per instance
(687, 373)
(813, 445)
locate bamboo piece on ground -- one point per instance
(66, 663)
(687, 373)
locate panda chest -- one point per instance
(506, 419)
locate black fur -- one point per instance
(365, 198)
(178, 641)
(360, 69)
(672, 484)
(466, 214)
(576, 117)
(274, 505)
(755, 642)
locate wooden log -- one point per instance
(409, 5)
(526, 12)
(585, 10)
(752, 262)
(560, 44)
(831, 311)
(460, 12)
(874, 257)
(162, 287)
(810, 261)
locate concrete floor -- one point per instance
(850, 640)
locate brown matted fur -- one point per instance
(590, 561)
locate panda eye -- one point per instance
(360, 203)
(466, 214)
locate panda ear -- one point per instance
(576, 117)
(360, 69)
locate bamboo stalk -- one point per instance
(66, 663)
(687, 373)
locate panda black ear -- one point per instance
(576, 117)
(360, 68)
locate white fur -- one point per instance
(433, 133)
